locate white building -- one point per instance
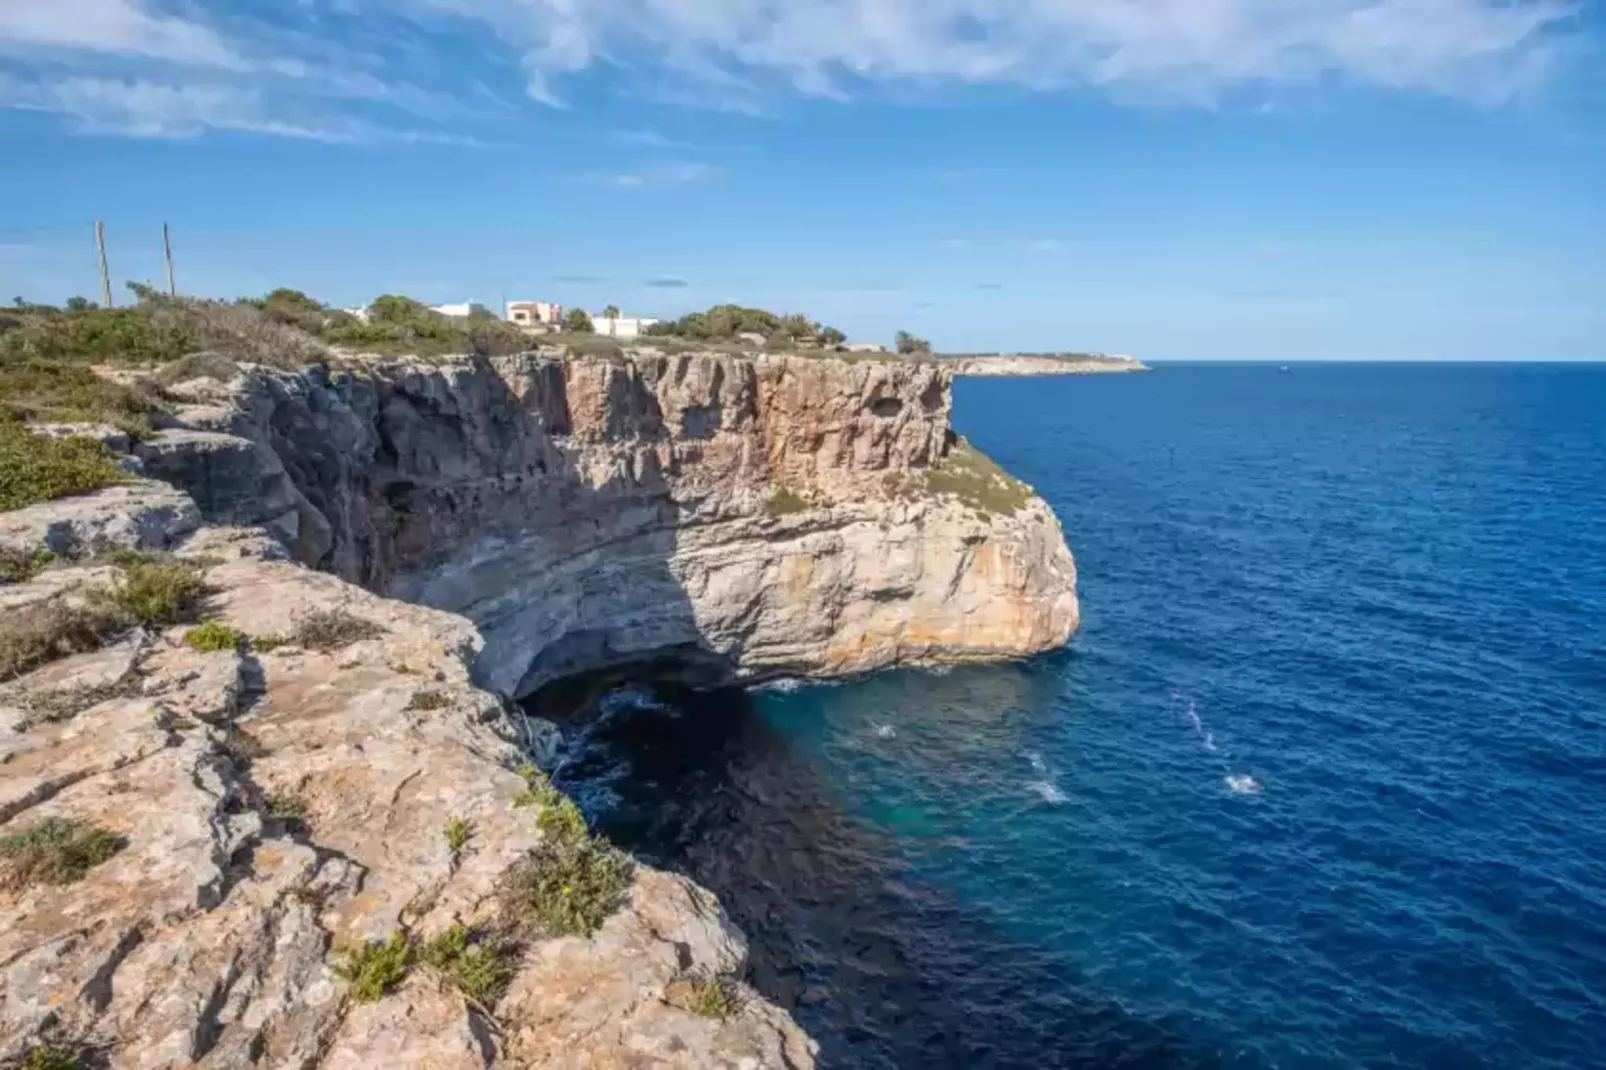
(462, 311)
(621, 326)
(534, 313)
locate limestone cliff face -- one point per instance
(757, 515)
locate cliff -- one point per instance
(751, 515)
(253, 842)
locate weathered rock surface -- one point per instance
(1016, 364)
(208, 940)
(762, 515)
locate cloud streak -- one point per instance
(1189, 49)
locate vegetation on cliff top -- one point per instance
(37, 468)
(725, 323)
(977, 481)
(54, 851)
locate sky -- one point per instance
(1174, 179)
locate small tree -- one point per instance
(830, 336)
(910, 345)
(578, 322)
(611, 312)
(79, 304)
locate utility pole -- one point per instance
(105, 275)
(167, 251)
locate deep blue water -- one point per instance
(1320, 783)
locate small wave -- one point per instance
(629, 700)
(886, 731)
(1243, 784)
(786, 685)
(1037, 761)
(1049, 793)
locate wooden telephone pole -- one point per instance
(167, 251)
(105, 275)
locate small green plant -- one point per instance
(55, 851)
(20, 566)
(327, 630)
(213, 637)
(37, 468)
(376, 967)
(712, 997)
(458, 832)
(538, 790)
(785, 502)
(573, 881)
(51, 1057)
(158, 593)
(267, 644)
(475, 961)
(428, 700)
(285, 806)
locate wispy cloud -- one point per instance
(667, 282)
(120, 27)
(989, 286)
(955, 243)
(579, 280)
(669, 174)
(1179, 48)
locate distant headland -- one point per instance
(999, 364)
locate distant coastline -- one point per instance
(1001, 364)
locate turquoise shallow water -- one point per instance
(1320, 783)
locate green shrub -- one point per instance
(712, 997)
(475, 961)
(213, 637)
(37, 468)
(458, 832)
(377, 967)
(20, 566)
(976, 480)
(54, 851)
(327, 630)
(51, 1057)
(285, 806)
(158, 593)
(785, 502)
(267, 644)
(428, 700)
(47, 391)
(573, 881)
(44, 631)
(538, 790)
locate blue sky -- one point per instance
(1275, 179)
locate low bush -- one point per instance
(285, 806)
(213, 637)
(52, 1057)
(37, 468)
(20, 566)
(458, 832)
(158, 593)
(326, 630)
(475, 961)
(56, 706)
(573, 881)
(44, 631)
(54, 851)
(45, 391)
(428, 700)
(376, 967)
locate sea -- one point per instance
(1320, 783)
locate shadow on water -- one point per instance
(882, 972)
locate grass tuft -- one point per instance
(44, 631)
(458, 832)
(327, 630)
(712, 997)
(428, 700)
(51, 1057)
(285, 806)
(20, 566)
(376, 967)
(475, 961)
(785, 502)
(37, 468)
(213, 637)
(54, 851)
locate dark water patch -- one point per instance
(883, 968)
